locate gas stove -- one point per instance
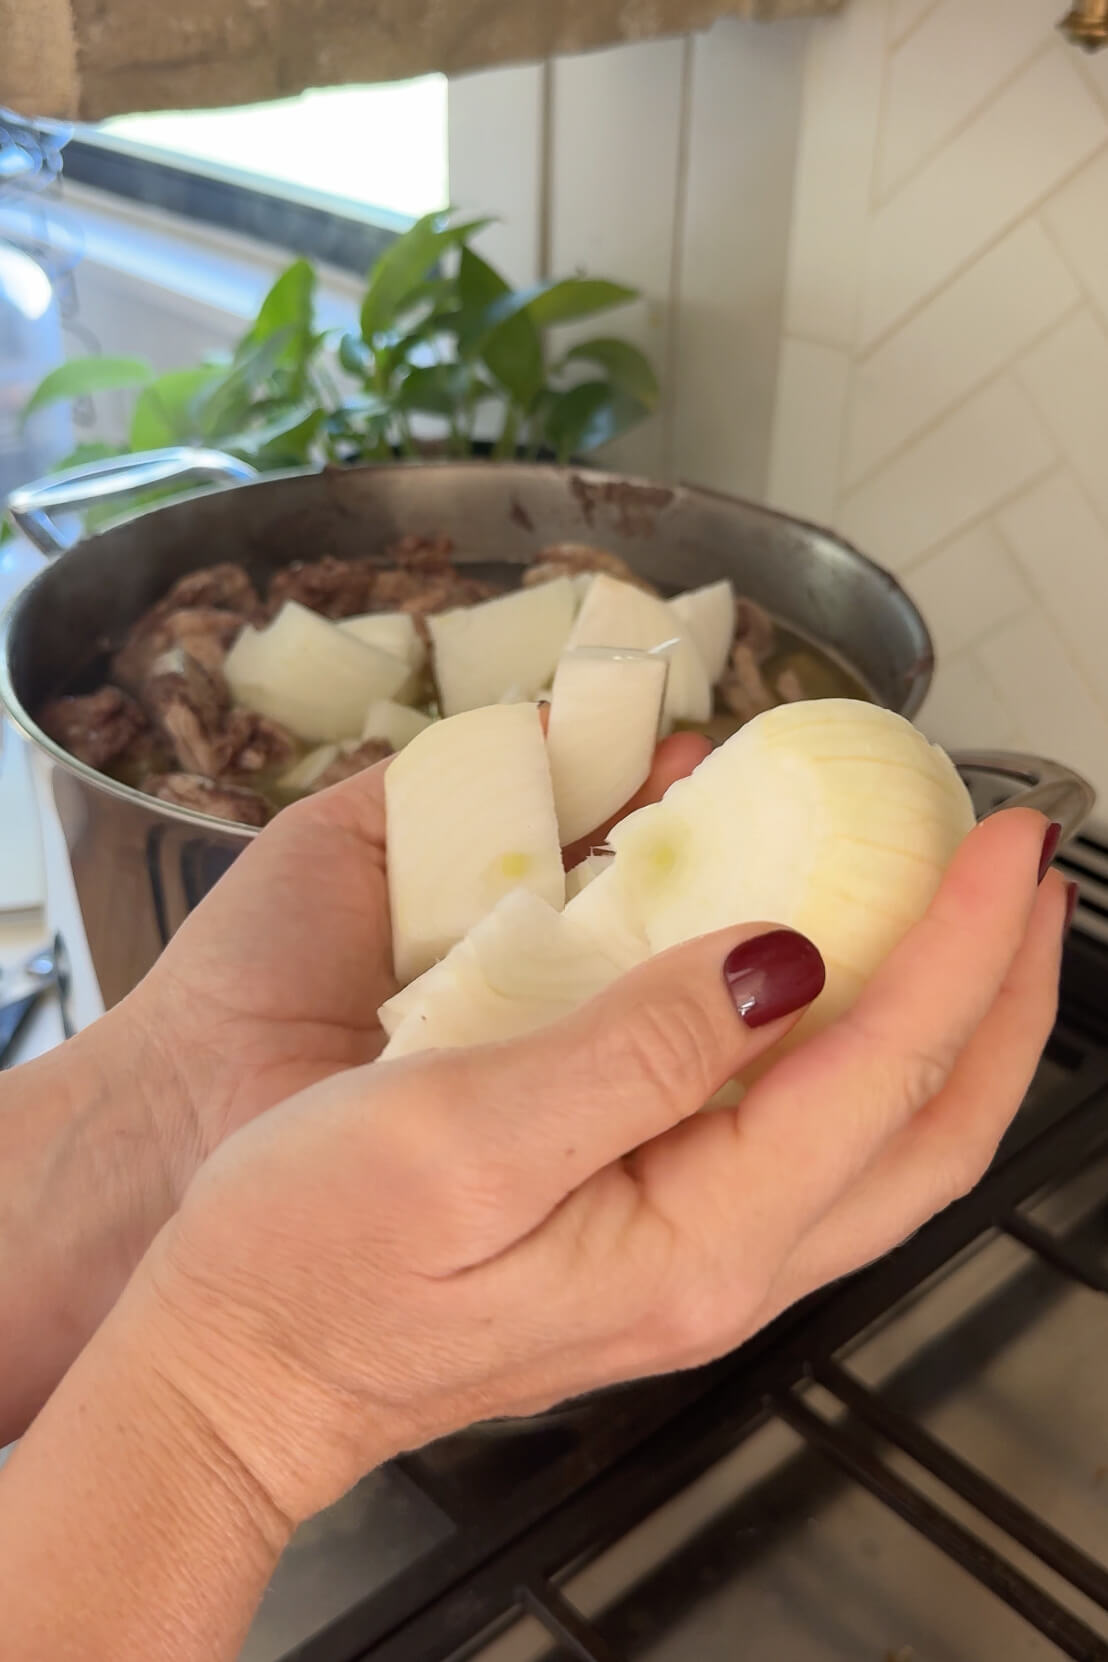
(912, 1466)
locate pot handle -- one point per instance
(1008, 779)
(30, 508)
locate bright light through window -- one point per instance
(374, 146)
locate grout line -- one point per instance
(997, 506)
(1001, 696)
(1047, 420)
(1074, 659)
(956, 132)
(898, 41)
(870, 347)
(1094, 301)
(992, 376)
(544, 252)
(883, 95)
(1084, 69)
(671, 370)
(936, 548)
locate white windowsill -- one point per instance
(205, 269)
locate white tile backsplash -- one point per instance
(964, 709)
(1075, 217)
(733, 251)
(831, 202)
(1022, 145)
(1066, 375)
(993, 310)
(978, 50)
(979, 454)
(975, 382)
(905, 15)
(1033, 672)
(595, 136)
(1061, 544)
(968, 588)
(808, 429)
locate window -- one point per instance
(331, 173)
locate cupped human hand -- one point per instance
(412, 1246)
(274, 983)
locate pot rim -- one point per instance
(9, 617)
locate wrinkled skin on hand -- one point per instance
(275, 985)
(406, 1248)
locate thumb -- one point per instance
(551, 1109)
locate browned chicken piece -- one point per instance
(755, 628)
(333, 588)
(149, 752)
(206, 634)
(257, 745)
(225, 587)
(790, 690)
(96, 727)
(421, 594)
(346, 766)
(189, 704)
(743, 688)
(569, 559)
(209, 796)
(432, 554)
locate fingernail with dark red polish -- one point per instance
(1073, 895)
(1050, 847)
(773, 976)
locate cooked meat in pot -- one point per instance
(168, 724)
(97, 727)
(208, 796)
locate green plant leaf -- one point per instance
(284, 440)
(397, 275)
(587, 416)
(626, 367)
(287, 313)
(362, 406)
(442, 389)
(82, 377)
(290, 304)
(225, 406)
(354, 356)
(563, 300)
(512, 353)
(165, 412)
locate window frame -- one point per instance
(311, 223)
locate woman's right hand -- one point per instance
(409, 1247)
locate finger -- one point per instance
(675, 758)
(528, 1121)
(822, 1113)
(945, 1150)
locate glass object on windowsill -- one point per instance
(30, 346)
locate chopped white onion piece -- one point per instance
(306, 673)
(618, 614)
(470, 814)
(602, 731)
(482, 651)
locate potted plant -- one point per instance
(449, 359)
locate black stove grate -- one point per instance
(528, 1506)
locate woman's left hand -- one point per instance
(274, 983)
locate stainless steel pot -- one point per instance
(139, 866)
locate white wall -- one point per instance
(944, 379)
(667, 165)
